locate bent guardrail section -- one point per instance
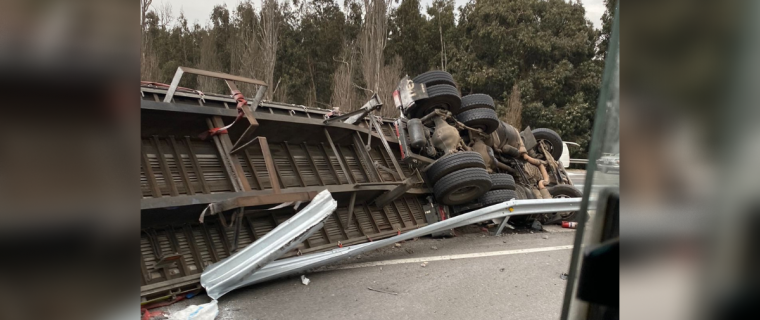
(296, 265)
(223, 276)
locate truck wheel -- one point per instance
(435, 77)
(442, 96)
(551, 139)
(477, 100)
(462, 186)
(497, 196)
(481, 118)
(565, 191)
(520, 191)
(453, 162)
(525, 193)
(502, 181)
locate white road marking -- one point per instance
(448, 257)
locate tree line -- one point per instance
(540, 60)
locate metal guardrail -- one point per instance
(296, 265)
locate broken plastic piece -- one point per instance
(305, 280)
(206, 311)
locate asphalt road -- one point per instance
(578, 177)
(472, 276)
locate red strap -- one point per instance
(240, 99)
(223, 130)
(216, 131)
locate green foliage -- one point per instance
(542, 53)
(322, 30)
(441, 33)
(408, 38)
(546, 48)
(604, 38)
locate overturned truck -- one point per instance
(219, 171)
(469, 156)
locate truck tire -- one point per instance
(480, 118)
(460, 187)
(477, 100)
(453, 162)
(523, 193)
(502, 181)
(442, 96)
(435, 77)
(497, 196)
(565, 191)
(551, 139)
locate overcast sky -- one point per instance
(199, 10)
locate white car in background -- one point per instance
(565, 157)
(609, 162)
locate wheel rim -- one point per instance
(547, 145)
(463, 194)
(566, 214)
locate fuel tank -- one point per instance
(416, 133)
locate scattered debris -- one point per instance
(545, 237)
(409, 250)
(569, 225)
(502, 269)
(305, 280)
(381, 291)
(207, 311)
(147, 315)
(397, 244)
(167, 303)
(434, 248)
(563, 276)
(424, 264)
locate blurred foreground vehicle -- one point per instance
(593, 286)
